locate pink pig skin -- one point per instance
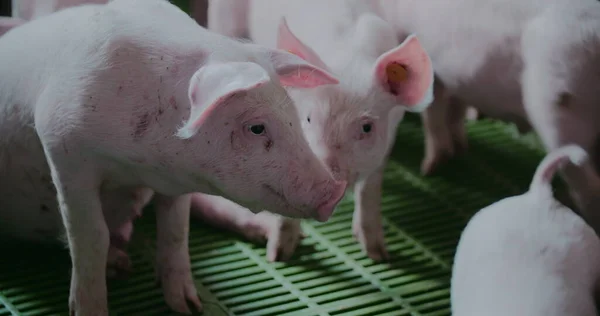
(351, 127)
(528, 254)
(530, 62)
(114, 104)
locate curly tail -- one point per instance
(554, 160)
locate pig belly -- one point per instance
(28, 205)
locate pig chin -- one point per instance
(283, 206)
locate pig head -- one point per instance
(351, 126)
(260, 158)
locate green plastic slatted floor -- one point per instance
(329, 274)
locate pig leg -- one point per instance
(439, 146)
(229, 17)
(121, 208)
(173, 267)
(281, 234)
(118, 264)
(457, 113)
(87, 234)
(366, 224)
(199, 11)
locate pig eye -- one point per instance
(366, 128)
(257, 129)
(308, 118)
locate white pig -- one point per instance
(351, 126)
(101, 106)
(528, 254)
(531, 62)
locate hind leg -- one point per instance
(443, 123)
(121, 208)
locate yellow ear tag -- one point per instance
(396, 73)
(293, 52)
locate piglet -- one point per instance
(114, 104)
(528, 254)
(351, 126)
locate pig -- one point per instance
(350, 126)
(532, 63)
(528, 254)
(113, 105)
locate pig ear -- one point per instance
(213, 84)
(406, 72)
(295, 72)
(287, 41)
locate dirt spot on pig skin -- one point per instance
(268, 144)
(142, 126)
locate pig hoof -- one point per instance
(373, 243)
(283, 240)
(179, 290)
(282, 235)
(118, 264)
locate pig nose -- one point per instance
(325, 209)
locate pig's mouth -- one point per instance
(284, 202)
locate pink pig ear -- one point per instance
(295, 72)
(406, 72)
(287, 41)
(212, 85)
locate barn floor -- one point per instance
(329, 275)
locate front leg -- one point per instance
(367, 225)
(172, 253)
(87, 235)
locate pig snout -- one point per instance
(330, 199)
(313, 187)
